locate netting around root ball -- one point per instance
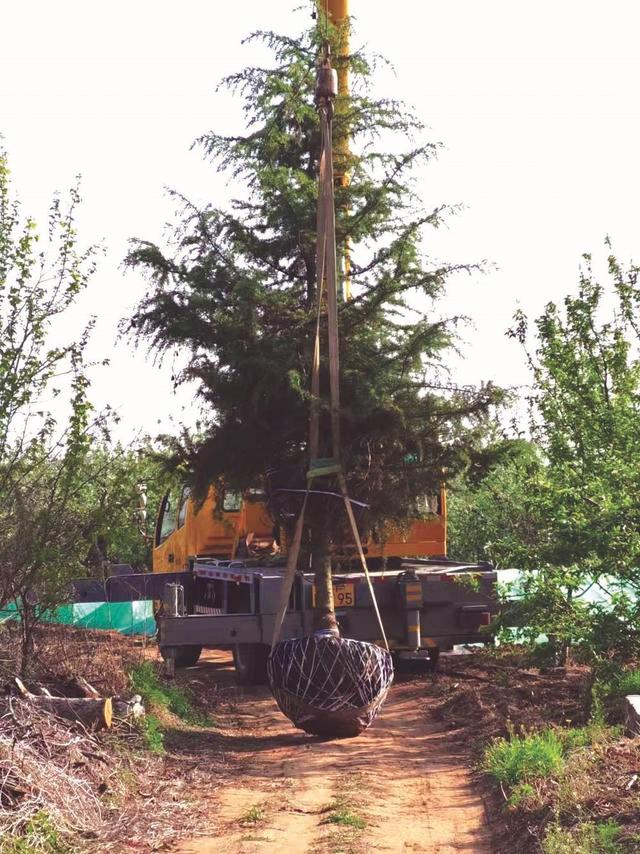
(329, 686)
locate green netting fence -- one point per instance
(130, 618)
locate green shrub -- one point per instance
(146, 682)
(587, 838)
(627, 683)
(526, 758)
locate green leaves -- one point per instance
(573, 516)
(238, 293)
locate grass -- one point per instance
(557, 773)
(518, 761)
(585, 838)
(160, 695)
(39, 835)
(254, 815)
(150, 728)
(522, 759)
(341, 813)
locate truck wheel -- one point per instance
(250, 662)
(186, 656)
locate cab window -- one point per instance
(184, 504)
(231, 502)
(167, 518)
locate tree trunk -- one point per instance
(28, 620)
(323, 614)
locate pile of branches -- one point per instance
(48, 765)
(62, 653)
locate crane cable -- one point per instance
(326, 272)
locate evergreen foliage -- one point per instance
(237, 292)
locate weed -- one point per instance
(526, 758)
(523, 793)
(586, 838)
(522, 759)
(587, 736)
(254, 815)
(39, 834)
(146, 682)
(150, 729)
(341, 813)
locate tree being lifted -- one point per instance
(239, 294)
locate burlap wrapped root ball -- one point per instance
(328, 686)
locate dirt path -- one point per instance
(403, 786)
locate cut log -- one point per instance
(92, 712)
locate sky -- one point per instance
(536, 105)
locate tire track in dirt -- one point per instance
(406, 777)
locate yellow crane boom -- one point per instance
(337, 12)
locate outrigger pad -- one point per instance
(328, 686)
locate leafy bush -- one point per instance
(627, 683)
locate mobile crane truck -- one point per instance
(217, 576)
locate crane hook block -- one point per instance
(326, 83)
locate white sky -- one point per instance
(537, 104)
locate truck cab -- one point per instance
(240, 527)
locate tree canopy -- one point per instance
(236, 291)
(567, 509)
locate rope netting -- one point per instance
(329, 686)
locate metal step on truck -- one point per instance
(426, 606)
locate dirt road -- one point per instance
(403, 786)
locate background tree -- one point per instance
(491, 516)
(124, 486)
(63, 485)
(569, 513)
(237, 293)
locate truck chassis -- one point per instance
(426, 606)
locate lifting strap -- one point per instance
(326, 272)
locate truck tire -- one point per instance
(250, 662)
(186, 656)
